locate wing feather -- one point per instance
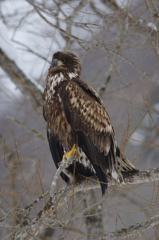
(90, 123)
(87, 113)
(56, 152)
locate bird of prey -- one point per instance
(77, 122)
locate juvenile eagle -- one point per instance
(77, 121)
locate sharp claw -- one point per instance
(74, 150)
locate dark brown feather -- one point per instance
(92, 115)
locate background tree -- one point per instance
(117, 42)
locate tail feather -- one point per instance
(124, 164)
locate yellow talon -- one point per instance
(73, 151)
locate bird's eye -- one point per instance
(54, 63)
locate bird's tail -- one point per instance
(124, 164)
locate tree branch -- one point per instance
(27, 87)
(65, 193)
(134, 229)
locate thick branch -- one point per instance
(66, 192)
(27, 87)
(134, 229)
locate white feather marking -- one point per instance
(53, 82)
(85, 161)
(115, 175)
(60, 100)
(72, 75)
(109, 128)
(101, 129)
(107, 148)
(73, 100)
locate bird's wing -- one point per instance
(91, 125)
(85, 113)
(57, 152)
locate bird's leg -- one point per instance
(73, 151)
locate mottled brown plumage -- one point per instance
(75, 113)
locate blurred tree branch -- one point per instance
(27, 87)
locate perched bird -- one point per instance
(77, 122)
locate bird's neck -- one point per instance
(53, 81)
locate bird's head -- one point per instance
(67, 62)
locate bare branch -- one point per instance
(53, 25)
(27, 87)
(27, 48)
(63, 166)
(134, 229)
(36, 133)
(67, 191)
